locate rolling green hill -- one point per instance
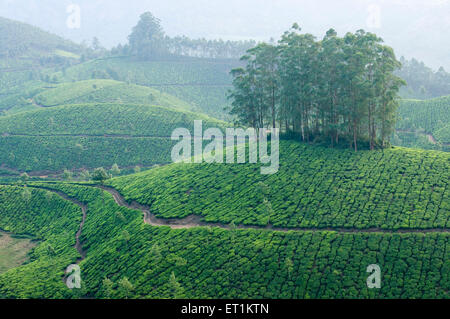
(52, 222)
(28, 43)
(333, 213)
(92, 135)
(106, 91)
(27, 53)
(202, 83)
(424, 124)
(19, 98)
(314, 187)
(33, 94)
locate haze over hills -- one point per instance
(32, 46)
(79, 122)
(410, 27)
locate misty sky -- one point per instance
(414, 28)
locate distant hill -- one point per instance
(424, 124)
(201, 82)
(422, 81)
(28, 44)
(106, 91)
(32, 94)
(28, 53)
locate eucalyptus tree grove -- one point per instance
(339, 89)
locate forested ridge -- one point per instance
(422, 81)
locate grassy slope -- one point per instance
(13, 251)
(315, 187)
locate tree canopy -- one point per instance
(336, 89)
(147, 38)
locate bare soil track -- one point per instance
(196, 221)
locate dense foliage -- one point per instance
(314, 187)
(51, 221)
(203, 262)
(331, 89)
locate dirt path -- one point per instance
(431, 139)
(40, 105)
(83, 207)
(196, 221)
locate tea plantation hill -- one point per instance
(315, 187)
(202, 82)
(35, 94)
(89, 135)
(308, 231)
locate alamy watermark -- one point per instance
(74, 19)
(214, 151)
(374, 279)
(74, 278)
(373, 20)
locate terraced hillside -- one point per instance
(329, 217)
(35, 94)
(92, 135)
(106, 91)
(19, 98)
(424, 124)
(52, 222)
(314, 187)
(202, 83)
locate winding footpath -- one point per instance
(83, 207)
(196, 221)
